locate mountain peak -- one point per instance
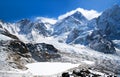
(78, 15)
(24, 21)
(77, 12)
(1, 21)
(46, 20)
(114, 9)
(116, 6)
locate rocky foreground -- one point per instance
(86, 73)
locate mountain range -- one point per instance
(27, 41)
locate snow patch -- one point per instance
(49, 68)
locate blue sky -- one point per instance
(12, 10)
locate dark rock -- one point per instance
(7, 33)
(78, 73)
(96, 75)
(114, 76)
(100, 43)
(18, 46)
(42, 47)
(65, 74)
(1, 26)
(86, 71)
(103, 45)
(42, 51)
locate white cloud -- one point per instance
(89, 14)
(46, 20)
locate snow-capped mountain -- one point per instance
(71, 39)
(28, 30)
(67, 24)
(74, 29)
(33, 30)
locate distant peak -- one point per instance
(78, 12)
(46, 20)
(116, 6)
(24, 21)
(115, 9)
(1, 21)
(78, 15)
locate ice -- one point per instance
(49, 68)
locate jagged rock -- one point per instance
(16, 54)
(108, 23)
(19, 53)
(100, 43)
(65, 74)
(77, 73)
(42, 51)
(73, 35)
(1, 26)
(26, 27)
(39, 51)
(42, 47)
(18, 46)
(69, 23)
(7, 33)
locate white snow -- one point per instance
(46, 20)
(88, 62)
(3, 37)
(49, 68)
(89, 14)
(96, 72)
(15, 74)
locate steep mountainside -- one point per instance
(109, 23)
(67, 24)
